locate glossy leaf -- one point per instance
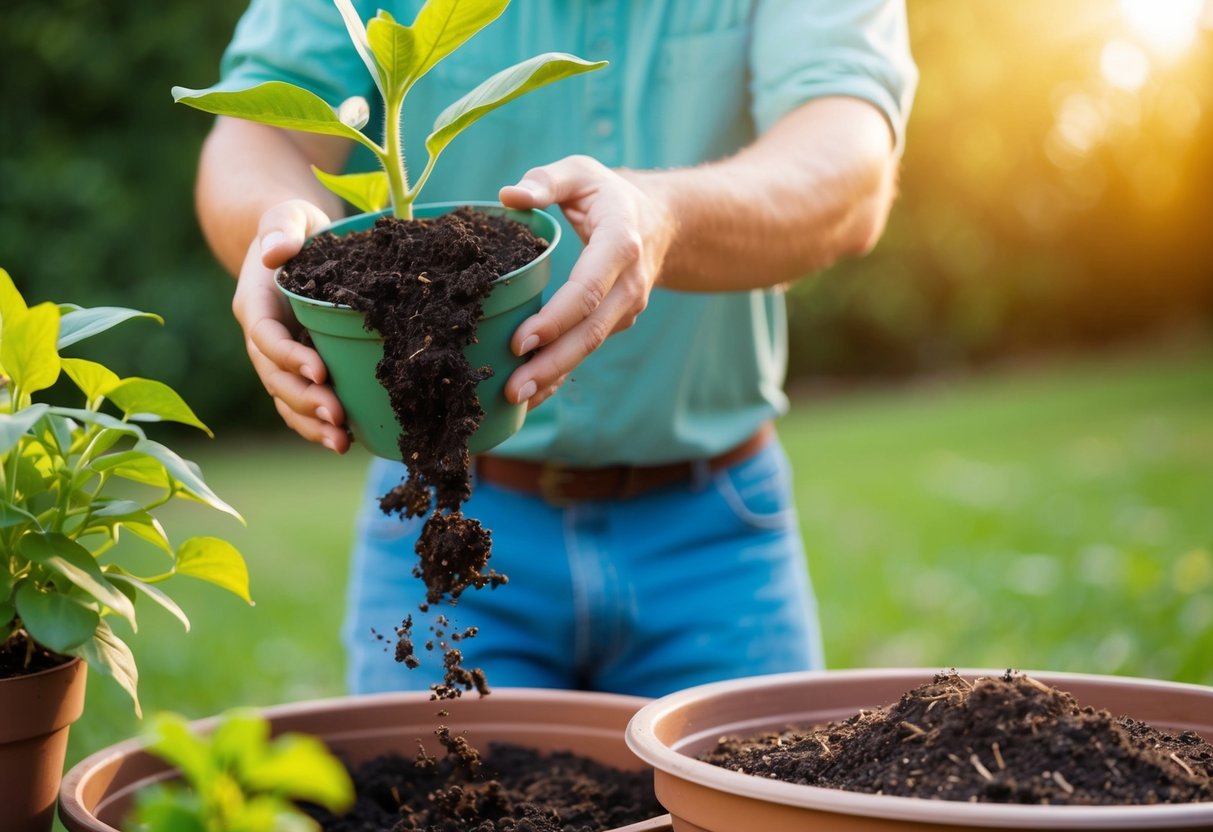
(395, 53)
(357, 31)
(54, 620)
(216, 561)
(146, 527)
(186, 474)
(116, 508)
(442, 26)
(107, 654)
(133, 465)
(302, 768)
(81, 323)
(147, 400)
(77, 564)
(367, 192)
(93, 379)
(502, 88)
(155, 593)
(15, 425)
(277, 104)
(103, 420)
(11, 515)
(11, 302)
(27, 348)
(56, 432)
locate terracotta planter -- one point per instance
(35, 713)
(351, 353)
(671, 731)
(98, 792)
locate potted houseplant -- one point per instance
(73, 480)
(673, 732)
(99, 793)
(396, 57)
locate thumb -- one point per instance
(557, 183)
(284, 228)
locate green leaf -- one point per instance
(161, 808)
(502, 88)
(11, 515)
(80, 323)
(7, 611)
(146, 527)
(147, 400)
(133, 465)
(77, 564)
(158, 595)
(108, 655)
(186, 474)
(15, 425)
(12, 305)
(100, 419)
(365, 191)
(54, 620)
(170, 739)
(395, 53)
(93, 379)
(353, 25)
(442, 26)
(56, 432)
(240, 740)
(275, 103)
(217, 561)
(116, 508)
(28, 350)
(301, 767)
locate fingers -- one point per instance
(283, 229)
(556, 183)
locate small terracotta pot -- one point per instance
(35, 713)
(98, 792)
(669, 733)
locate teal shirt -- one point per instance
(689, 81)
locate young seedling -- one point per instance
(72, 480)
(397, 56)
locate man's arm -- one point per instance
(257, 202)
(815, 187)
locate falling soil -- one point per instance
(422, 285)
(513, 789)
(1008, 739)
(21, 657)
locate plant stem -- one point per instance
(393, 161)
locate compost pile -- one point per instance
(513, 789)
(1008, 739)
(422, 285)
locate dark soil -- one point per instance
(422, 284)
(1008, 739)
(513, 789)
(17, 658)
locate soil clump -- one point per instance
(1008, 739)
(422, 285)
(15, 652)
(513, 789)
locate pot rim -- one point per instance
(448, 206)
(642, 740)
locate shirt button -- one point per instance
(603, 128)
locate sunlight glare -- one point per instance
(1166, 25)
(1124, 65)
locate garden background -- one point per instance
(1002, 425)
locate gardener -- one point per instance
(644, 513)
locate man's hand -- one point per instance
(627, 232)
(293, 374)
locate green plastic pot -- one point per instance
(351, 352)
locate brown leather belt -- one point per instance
(561, 485)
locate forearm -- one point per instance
(246, 169)
(816, 187)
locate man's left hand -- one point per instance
(627, 232)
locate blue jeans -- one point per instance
(682, 585)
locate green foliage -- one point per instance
(396, 56)
(62, 505)
(238, 779)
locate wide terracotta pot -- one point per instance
(98, 792)
(351, 352)
(35, 714)
(669, 732)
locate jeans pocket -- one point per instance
(759, 490)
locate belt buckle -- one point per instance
(552, 479)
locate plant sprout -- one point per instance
(397, 56)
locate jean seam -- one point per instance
(726, 489)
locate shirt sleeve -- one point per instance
(302, 42)
(806, 49)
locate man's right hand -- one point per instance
(293, 374)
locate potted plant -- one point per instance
(73, 480)
(100, 792)
(673, 734)
(396, 57)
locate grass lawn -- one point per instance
(1059, 518)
